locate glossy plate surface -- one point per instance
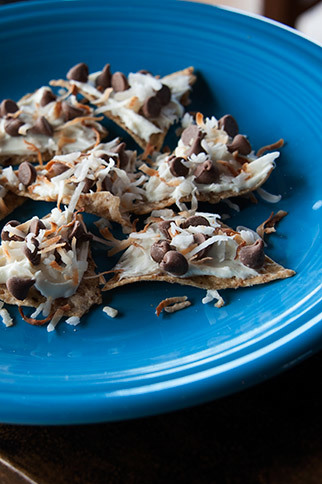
(269, 78)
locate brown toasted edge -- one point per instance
(87, 295)
(8, 160)
(270, 271)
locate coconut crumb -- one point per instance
(111, 312)
(172, 304)
(211, 295)
(5, 316)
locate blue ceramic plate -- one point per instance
(269, 78)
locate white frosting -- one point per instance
(136, 261)
(84, 137)
(50, 282)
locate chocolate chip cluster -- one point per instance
(152, 105)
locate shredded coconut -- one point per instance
(111, 312)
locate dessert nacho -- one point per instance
(196, 250)
(45, 263)
(142, 104)
(211, 162)
(102, 181)
(43, 124)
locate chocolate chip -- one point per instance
(32, 255)
(27, 173)
(57, 168)
(104, 78)
(164, 228)
(228, 124)
(194, 221)
(5, 231)
(19, 286)
(253, 255)
(199, 239)
(151, 107)
(177, 168)
(8, 106)
(79, 231)
(89, 184)
(164, 95)
(35, 226)
(42, 126)
(206, 173)
(78, 73)
(159, 249)
(123, 157)
(12, 126)
(145, 72)
(196, 147)
(70, 112)
(47, 97)
(107, 184)
(191, 133)
(175, 263)
(241, 144)
(119, 82)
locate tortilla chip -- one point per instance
(9, 203)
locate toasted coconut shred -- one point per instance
(172, 304)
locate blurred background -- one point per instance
(304, 15)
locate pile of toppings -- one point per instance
(145, 104)
(186, 246)
(109, 167)
(211, 160)
(47, 123)
(49, 255)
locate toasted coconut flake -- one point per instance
(211, 295)
(148, 151)
(229, 167)
(34, 148)
(34, 322)
(148, 171)
(199, 119)
(64, 140)
(268, 226)
(169, 301)
(274, 146)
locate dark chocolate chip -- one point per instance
(79, 231)
(47, 97)
(42, 126)
(164, 228)
(32, 255)
(107, 184)
(104, 78)
(70, 112)
(12, 126)
(78, 73)
(206, 173)
(253, 255)
(164, 95)
(199, 239)
(89, 185)
(196, 147)
(123, 157)
(151, 107)
(35, 226)
(119, 82)
(8, 106)
(175, 263)
(5, 231)
(194, 221)
(191, 133)
(145, 72)
(159, 249)
(19, 286)
(228, 124)
(177, 168)
(57, 168)
(241, 144)
(27, 173)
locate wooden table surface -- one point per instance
(268, 434)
